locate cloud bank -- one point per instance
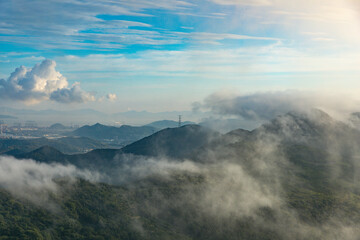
(42, 82)
(267, 105)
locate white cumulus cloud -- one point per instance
(42, 82)
(111, 96)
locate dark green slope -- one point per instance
(173, 142)
(156, 208)
(45, 154)
(98, 159)
(87, 211)
(68, 145)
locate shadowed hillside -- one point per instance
(68, 145)
(173, 142)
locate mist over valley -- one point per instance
(179, 120)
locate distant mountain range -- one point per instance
(177, 143)
(7, 117)
(124, 134)
(57, 126)
(167, 124)
(118, 135)
(192, 139)
(86, 137)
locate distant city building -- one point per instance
(17, 125)
(30, 124)
(3, 127)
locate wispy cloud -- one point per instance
(72, 21)
(337, 18)
(218, 63)
(244, 2)
(96, 25)
(205, 36)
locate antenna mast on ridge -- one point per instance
(179, 120)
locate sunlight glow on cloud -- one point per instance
(268, 105)
(337, 19)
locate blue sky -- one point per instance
(166, 54)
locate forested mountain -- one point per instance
(295, 177)
(68, 145)
(173, 142)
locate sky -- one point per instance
(164, 55)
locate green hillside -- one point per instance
(296, 177)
